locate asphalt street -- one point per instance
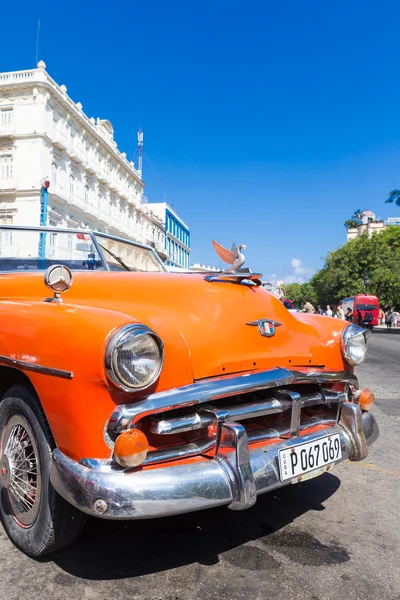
(335, 536)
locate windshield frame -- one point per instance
(93, 236)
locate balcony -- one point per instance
(122, 191)
(103, 175)
(7, 130)
(61, 140)
(58, 190)
(113, 185)
(77, 200)
(77, 154)
(8, 184)
(91, 165)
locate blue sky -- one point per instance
(264, 123)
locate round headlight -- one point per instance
(134, 357)
(354, 344)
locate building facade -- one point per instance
(369, 224)
(45, 136)
(177, 235)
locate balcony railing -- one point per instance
(7, 129)
(61, 140)
(8, 184)
(103, 175)
(91, 164)
(77, 153)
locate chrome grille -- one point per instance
(270, 405)
(284, 413)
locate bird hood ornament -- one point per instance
(234, 257)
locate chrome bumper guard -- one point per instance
(234, 477)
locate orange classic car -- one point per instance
(130, 392)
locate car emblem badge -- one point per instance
(265, 326)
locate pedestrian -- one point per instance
(340, 313)
(308, 307)
(395, 318)
(388, 319)
(349, 315)
(381, 317)
(328, 311)
(319, 310)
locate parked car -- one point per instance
(129, 392)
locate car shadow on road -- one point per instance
(119, 549)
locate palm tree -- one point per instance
(355, 219)
(357, 215)
(394, 196)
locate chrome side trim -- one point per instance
(207, 390)
(25, 366)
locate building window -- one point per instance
(54, 169)
(5, 236)
(6, 118)
(5, 166)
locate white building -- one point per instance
(44, 135)
(177, 235)
(368, 223)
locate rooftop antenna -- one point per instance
(37, 41)
(140, 150)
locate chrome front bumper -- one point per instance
(234, 477)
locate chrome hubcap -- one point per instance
(20, 470)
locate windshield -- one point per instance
(366, 306)
(30, 250)
(35, 249)
(122, 256)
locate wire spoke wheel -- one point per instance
(20, 470)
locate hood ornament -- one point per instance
(265, 326)
(234, 257)
(58, 278)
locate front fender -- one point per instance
(73, 338)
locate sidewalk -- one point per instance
(385, 328)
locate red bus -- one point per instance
(365, 309)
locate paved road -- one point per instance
(333, 537)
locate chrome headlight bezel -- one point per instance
(116, 341)
(350, 333)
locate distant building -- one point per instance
(370, 224)
(44, 135)
(203, 268)
(177, 234)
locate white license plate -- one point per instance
(297, 460)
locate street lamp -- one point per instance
(366, 282)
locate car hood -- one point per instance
(207, 320)
(213, 318)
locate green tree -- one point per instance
(345, 269)
(394, 197)
(309, 292)
(294, 292)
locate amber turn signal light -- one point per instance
(365, 399)
(131, 447)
